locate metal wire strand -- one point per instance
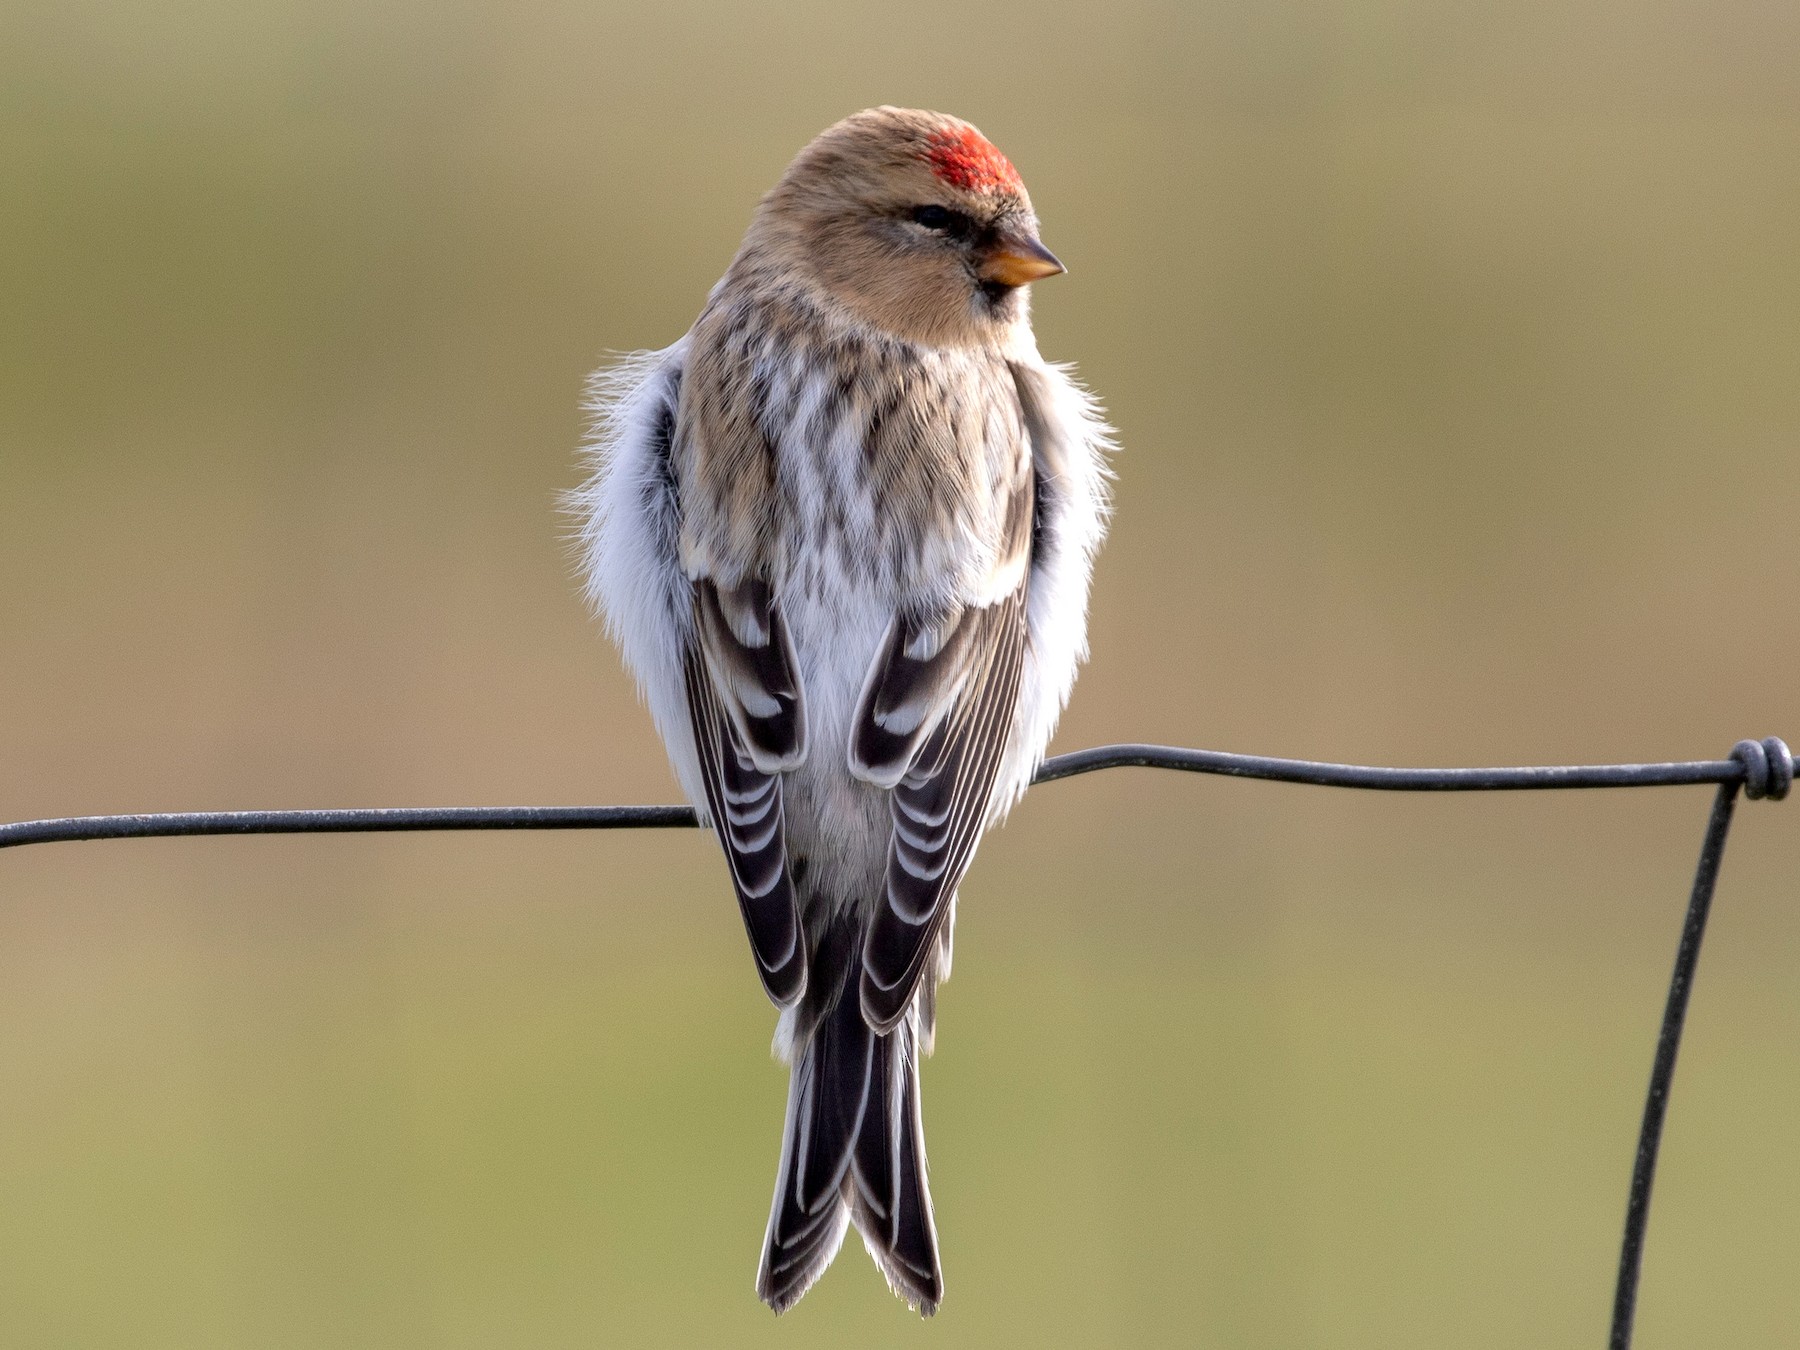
(1775, 767)
(1762, 769)
(1662, 1071)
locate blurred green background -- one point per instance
(1456, 354)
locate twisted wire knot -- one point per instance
(1768, 768)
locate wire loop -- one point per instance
(1768, 768)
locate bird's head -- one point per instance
(912, 220)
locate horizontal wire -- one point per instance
(381, 819)
(1760, 769)
(1381, 778)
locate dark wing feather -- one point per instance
(745, 708)
(940, 801)
(751, 658)
(912, 684)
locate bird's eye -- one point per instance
(941, 219)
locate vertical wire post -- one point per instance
(1662, 1072)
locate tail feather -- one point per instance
(890, 1198)
(854, 1148)
(833, 1081)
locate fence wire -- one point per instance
(1759, 769)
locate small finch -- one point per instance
(842, 532)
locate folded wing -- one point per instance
(749, 719)
(932, 724)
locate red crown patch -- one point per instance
(968, 160)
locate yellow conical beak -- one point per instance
(1019, 258)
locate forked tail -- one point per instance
(854, 1149)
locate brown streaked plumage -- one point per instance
(842, 531)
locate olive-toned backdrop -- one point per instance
(1456, 354)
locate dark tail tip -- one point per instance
(854, 1146)
(889, 1191)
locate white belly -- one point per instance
(838, 823)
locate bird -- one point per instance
(842, 532)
